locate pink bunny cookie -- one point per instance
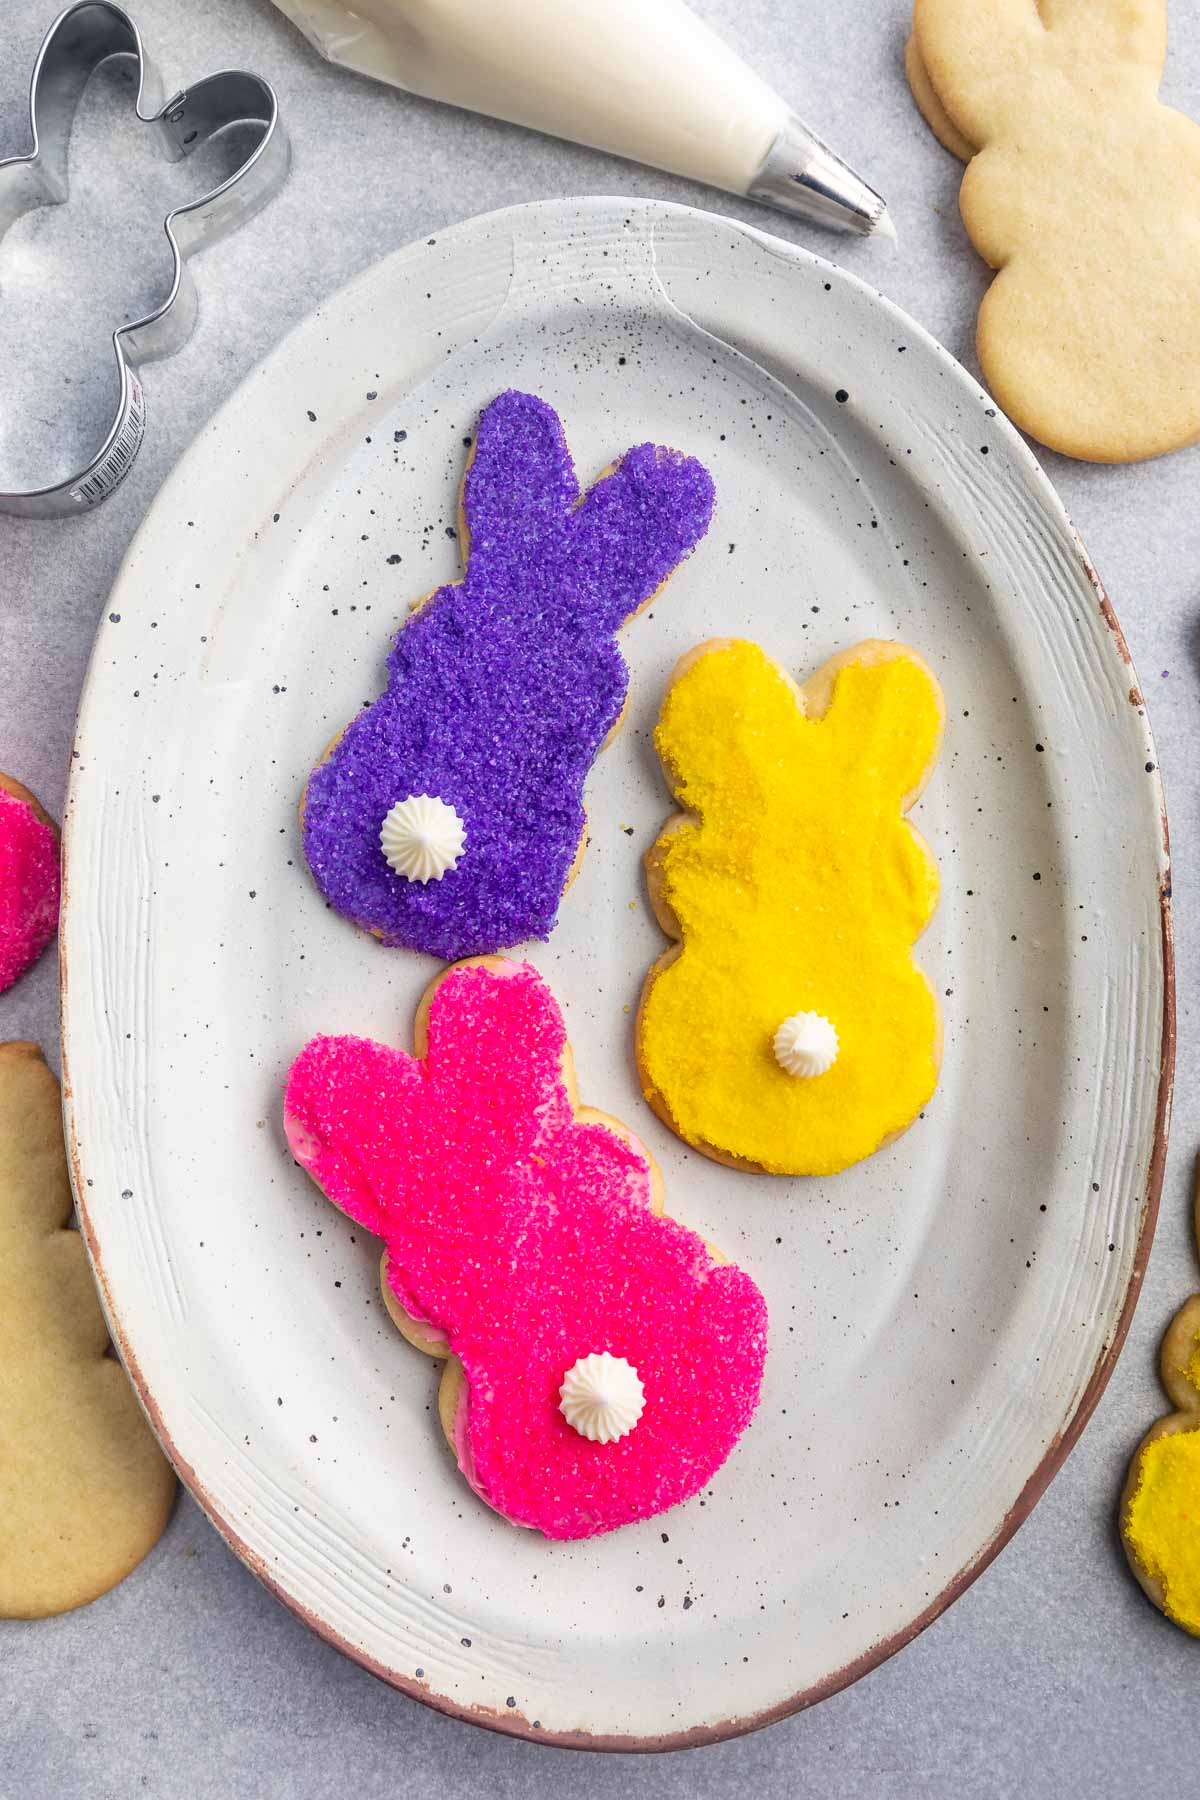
(448, 816)
(603, 1361)
(29, 879)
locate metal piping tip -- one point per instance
(883, 226)
(801, 175)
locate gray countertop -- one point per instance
(1052, 1675)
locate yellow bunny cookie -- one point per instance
(789, 1030)
(1160, 1505)
(1084, 194)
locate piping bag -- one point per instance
(644, 79)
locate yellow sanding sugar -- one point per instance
(1163, 1525)
(1193, 1365)
(801, 888)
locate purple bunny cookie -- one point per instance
(448, 817)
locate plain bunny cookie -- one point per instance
(525, 1235)
(501, 689)
(1084, 195)
(84, 1489)
(795, 888)
(1160, 1505)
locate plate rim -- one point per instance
(513, 1723)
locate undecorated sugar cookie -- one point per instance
(1160, 1506)
(602, 1359)
(788, 1028)
(85, 1490)
(448, 816)
(1083, 193)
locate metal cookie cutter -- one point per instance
(80, 39)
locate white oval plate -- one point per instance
(943, 1316)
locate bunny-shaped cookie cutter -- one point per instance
(79, 40)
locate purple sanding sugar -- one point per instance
(502, 688)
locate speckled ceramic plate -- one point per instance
(943, 1316)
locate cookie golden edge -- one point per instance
(814, 696)
(1180, 1338)
(1049, 423)
(930, 107)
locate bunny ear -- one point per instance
(347, 1110)
(634, 527)
(728, 711)
(520, 485)
(1130, 32)
(974, 52)
(496, 1054)
(886, 716)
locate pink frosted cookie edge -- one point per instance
(29, 881)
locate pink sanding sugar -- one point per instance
(28, 887)
(525, 1233)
